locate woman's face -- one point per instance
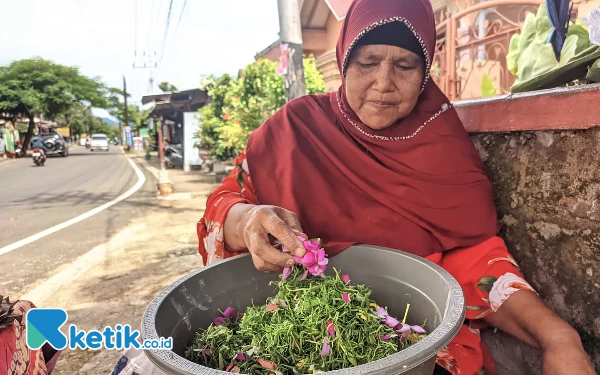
(383, 84)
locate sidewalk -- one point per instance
(114, 282)
(185, 183)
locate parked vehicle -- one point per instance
(173, 157)
(39, 156)
(54, 144)
(99, 142)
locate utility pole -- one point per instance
(290, 35)
(126, 110)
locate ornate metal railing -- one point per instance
(474, 42)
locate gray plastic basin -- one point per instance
(396, 278)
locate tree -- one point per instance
(239, 106)
(35, 87)
(167, 87)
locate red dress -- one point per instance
(487, 272)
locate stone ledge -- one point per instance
(573, 108)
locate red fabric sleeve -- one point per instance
(235, 188)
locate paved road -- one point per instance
(33, 199)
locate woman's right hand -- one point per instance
(251, 226)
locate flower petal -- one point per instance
(219, 321)
(304, 276)
(298, 260)
(381, 313)
(391, 322)
(229, 367)
(272, 307)
(314, 269)
(267, 364)
(287, 271)
(345, 278)
(235, 370)
(402, 328)
(309, 259)
(385, 337)
(229, 312)
(330, 329)
(418, 329)
(240, 357)
(346, 297)
(207, 351)
(326, 348)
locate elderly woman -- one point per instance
(386, 161)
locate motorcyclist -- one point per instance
(37, 143)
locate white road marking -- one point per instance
(140, 182)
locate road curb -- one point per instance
(152, 170)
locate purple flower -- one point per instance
(229, 312)
(381, 313)
(385, 337)
(404, 330)
(315, 260)
(346, 297)
(207, 351)
(240, 357)
(326, 348)
(219, 321)
(418, 329)
(391, 322)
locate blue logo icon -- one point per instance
(43, 326)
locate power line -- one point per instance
(164, 42)
(178, 41)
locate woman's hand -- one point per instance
(525, 316)
(249, 226)
(564, 357)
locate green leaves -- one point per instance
(487, 86)
(485, 283)
(240, 105)
(531, 58)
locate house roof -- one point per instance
(180, 101)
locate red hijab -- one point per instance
(417, 186)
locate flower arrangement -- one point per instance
(314, 323)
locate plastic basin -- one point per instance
(395, 277)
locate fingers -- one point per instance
(282, 231)
(260, 247)
(263, 266)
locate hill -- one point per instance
(109, 121)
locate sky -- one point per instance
(105, 38)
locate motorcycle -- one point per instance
(39, 156)
(173, 157)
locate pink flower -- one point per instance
(345, 279)
(330, 329)
(385, 337)
(229, 367)
(315, 260)
(240, 357)
(219, 321)
(304, 276)
(326, 348)
(272, 307)
(287, 271)
(346, 297)
(207, 352)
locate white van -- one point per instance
(99, 142)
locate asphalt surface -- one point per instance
(33, 199)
